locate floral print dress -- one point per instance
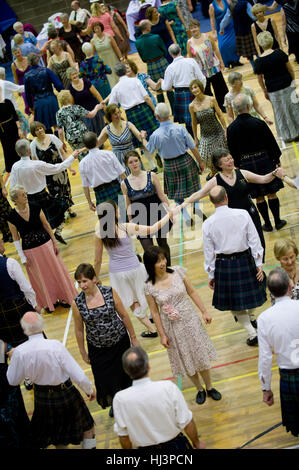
(70, 119)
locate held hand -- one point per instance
(212, 284)
(73, 172)
(76, 153)
(260, 274)
(175, 210)
(268, 397)
(165, 341)
(92, 396)
(279, 172)
(143, 134)
(92, 207)
(207, 318)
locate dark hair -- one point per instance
(135, 362)
(90, 140)
(216, 157)
(109, 110)
(97, 23)
(132, 64)
(278, 282)
(131, 153)
(194, 22)
(197, 82)
(85, 270)
(150, 258)
(108, 221)
(36, 125)
(52, 32)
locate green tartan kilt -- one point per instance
(157, 69)
(289, 399)
(181, 177)
(106, 191)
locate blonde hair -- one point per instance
(97, 9)
(65, 97)
(258, 7)
(265, 40)
(18, 39)
(70, 71)
(282, 246)
(14, 192)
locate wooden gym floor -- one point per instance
(240, 415)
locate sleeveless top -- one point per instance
(20, 74)
(238, 194)
(104, 328)
(32, 231)
(270, 29)
(122, 142)
(122, 257)
(203, 54)
(60, 69)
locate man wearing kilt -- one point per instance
(31, 175)
(153, 52)
(60, 415)
(179, 75)
(233, 259)
(101, 171)
(278, 332)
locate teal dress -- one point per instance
(179, 30)
(95, 71)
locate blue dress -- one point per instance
(227, 41)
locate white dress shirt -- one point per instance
(150, 412)
(8, 90)
(81, 15)
(181, 72)
(278, 330)
(45, 362)
(128, 92)
(31, 174)
(99, 167)
(15, 272)
(229, 231)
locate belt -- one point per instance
(4, 122)
(103, 186)
(163, 444)
(183, 88)
(154, 60)
(289, 371)
(136, 106)
(234, 255)
(45, 388)
(179, 156)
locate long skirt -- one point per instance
(11, 312)
(289, 399)
(261, 164)
(8, 137)
(106, 366)
(182, 99)
(236, 285)
(48, 276)
(60, 416)
(181, 177)
(45, 109)
(285, 104)
(227, 44)
(245, 46)
(53, 207)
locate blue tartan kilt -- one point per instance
(157, 69)
(182, 98)
(289, 399)
(106, 191)
(236, 285)
(143, 118)
(53, 207)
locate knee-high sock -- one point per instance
(244, 320)
(89, 443)
(274, 208)
(263, 209)
(251, 314)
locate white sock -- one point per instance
(244, 320)
(89, 443)
(251, 314)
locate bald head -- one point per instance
(32, 323)
(241, 103)
(218, 196)
(145, 26)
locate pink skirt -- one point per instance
(48, 276)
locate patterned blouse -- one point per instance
(70, 119)
(203, 53)
(94, 69)
(104, 328)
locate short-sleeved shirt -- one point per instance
(170, 140)
(128, 92)
(99, 167)
(273, 68)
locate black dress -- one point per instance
(8, 133)
(239, 198)
(71, 37)
(107, 340)
(270, 30)
(5, 209)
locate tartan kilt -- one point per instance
(53, 207)
(236, 285)
(261, 164)
(181, 177)
(11, 312)
(182, 99)
(157, 69)
(143, 118)
(60, 416)
(106, 191)
(289, 399)
(245, 45)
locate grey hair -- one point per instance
(120, 69)
(16, 24)
(234, 76)
(64, 15)
(22, 147)
(174, 50)
(278, 282)
(2, 72)
(87, 48)
(162, 110)
(33, 328)
(265, 40)
(32, 58)
(14, 192)
(241, 103)
(135, 362)
(70, 71)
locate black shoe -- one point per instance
(201, 397)
(209, 177)
(47, 310)
(28, 385)
(190, 222)
(267, 228)
(151, 320)
(254, 323)
(252, 342)
(148, 334)
(111, 414)
(64, 305)
(213, 393)
(281, 224)
(72, 214)
(59, 238)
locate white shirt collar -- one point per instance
(178, 58)
(221, 208)
(25, 158)
(282, 299)
(36, 336)
(141, 381)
